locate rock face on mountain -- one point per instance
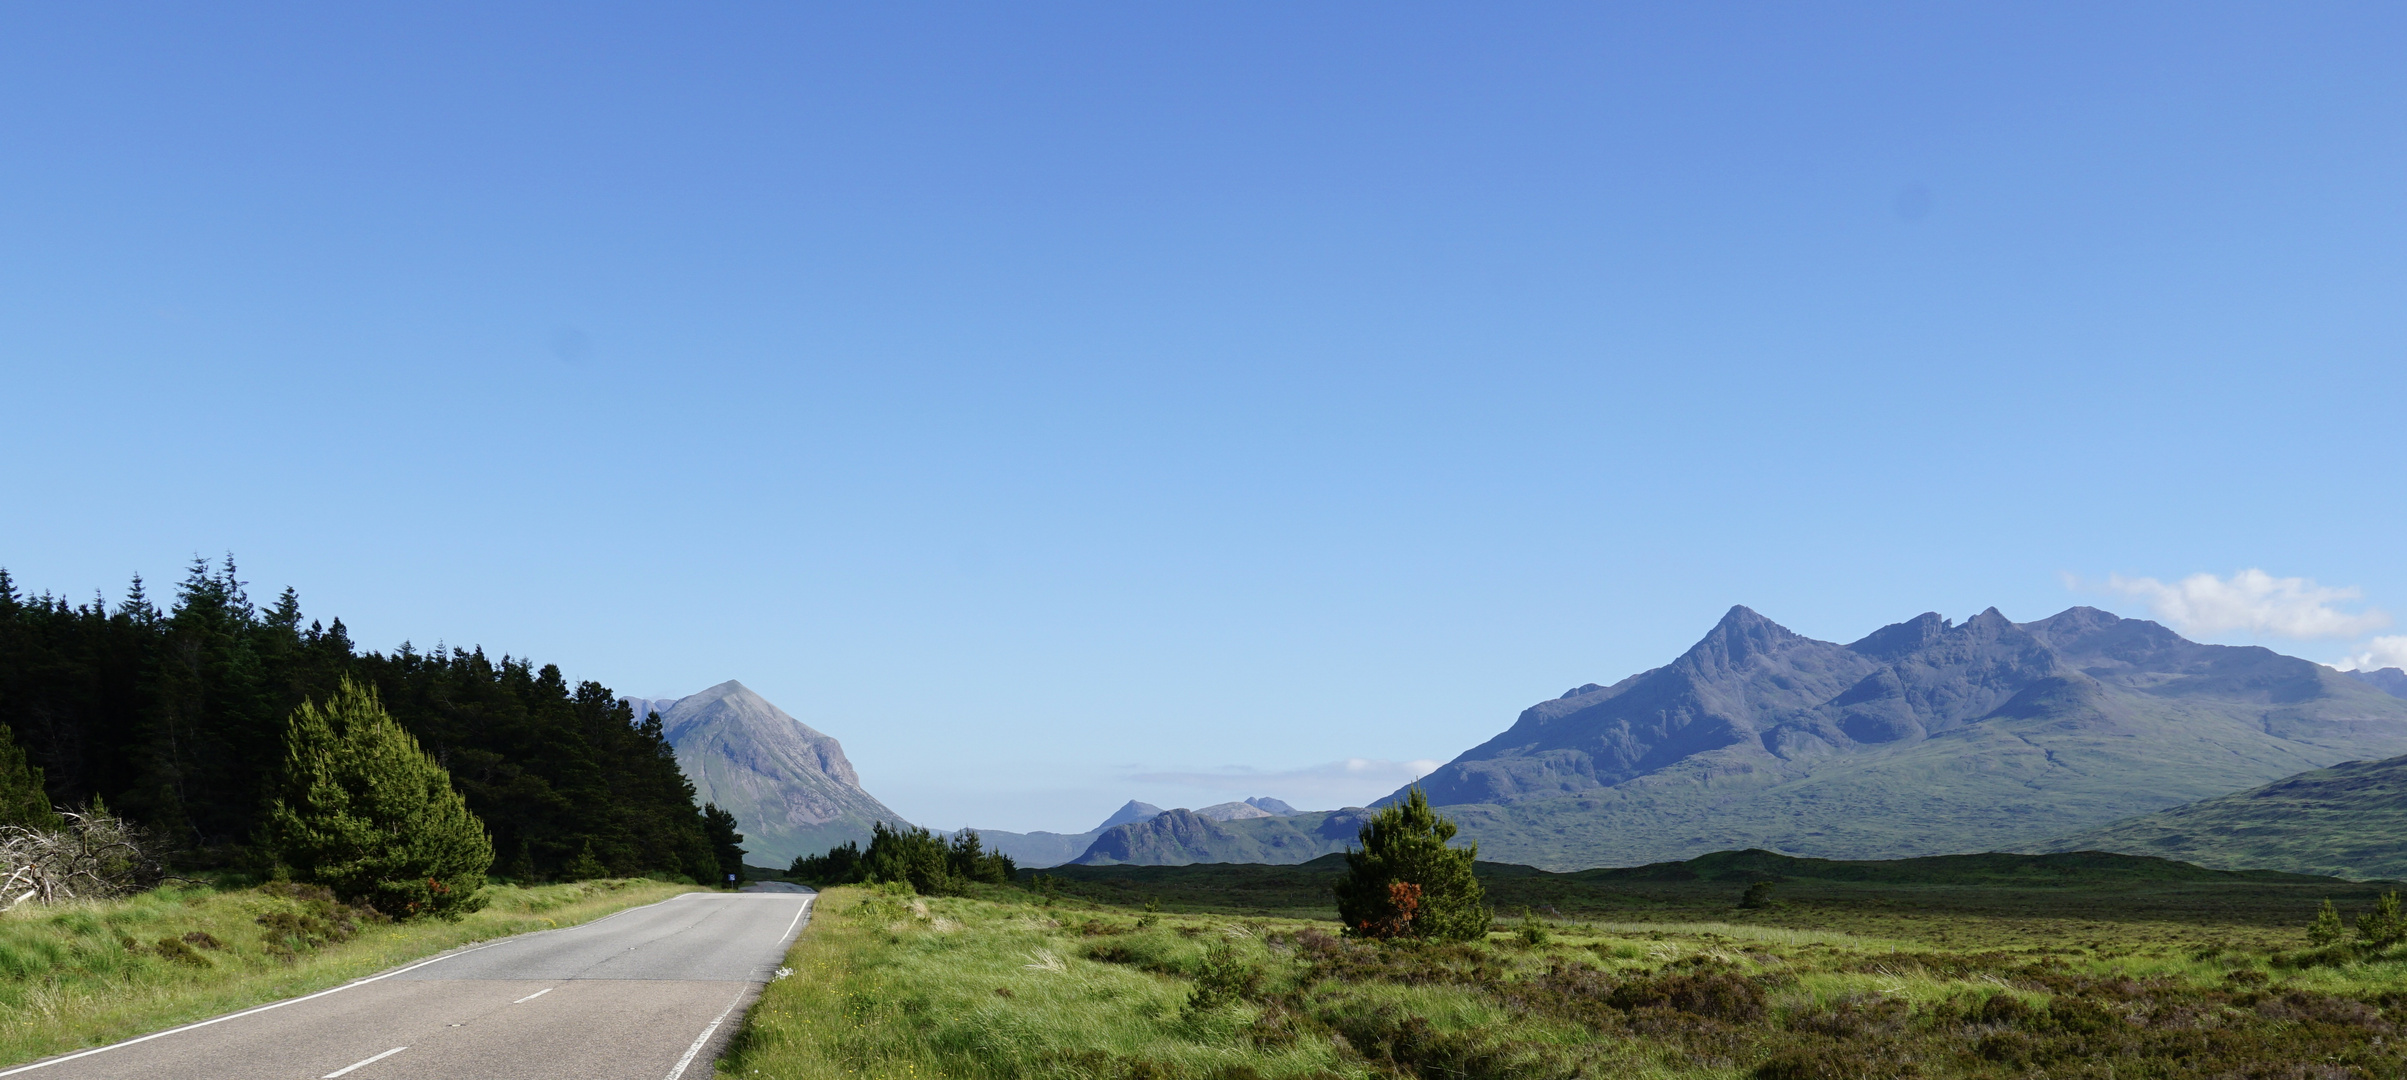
(2345, 821)
(1925, 737)
(1035, 850)
(2389, 680)
(790, 788)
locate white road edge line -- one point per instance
(357, 1064)
(246, 1012)
(321, 993)
(533, 996)
(690, 1051)
(798, 913)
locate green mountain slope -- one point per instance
(2346, 821)
(1924, 738)
(791, 789)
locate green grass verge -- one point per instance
(91, 973)
(998, 985)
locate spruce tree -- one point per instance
(725, 843)
(362, 810)
(24, 798)
(1404, 882)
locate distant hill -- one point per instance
(790, 788)
(1925, 737)
(1041, 849)
(1178, 837)
(2346, 821)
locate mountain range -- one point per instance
(791, 788)
(1925, 737)
(2081, 730)
(1052, 848)
(1039, 849)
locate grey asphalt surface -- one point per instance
(627, 996)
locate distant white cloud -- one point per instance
(2379, 653)
(2255, 601)
(1351, 782)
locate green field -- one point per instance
(1972, 966)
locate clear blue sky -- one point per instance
(1067, 403)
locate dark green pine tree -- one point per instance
(725, 843)
(362, 810)
(1403, 881)
(24, 798)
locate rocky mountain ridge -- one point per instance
(791, 789)
(1042, 849)
(1923, 737)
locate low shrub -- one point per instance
(1715, 994)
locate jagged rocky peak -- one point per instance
(1898, 639)
(2390, 680)
(1742, 635)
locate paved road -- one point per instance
(647, 994)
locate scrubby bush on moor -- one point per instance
(912, 856)
(1404, 882)
(359, 808)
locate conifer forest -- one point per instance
(172, 713)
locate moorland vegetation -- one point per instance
(995, 985)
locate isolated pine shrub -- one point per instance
(359, 808)
(1758, 895)
(1404, 882)
(1533, 930)
(2385, 925)
(2327, 927)
(1222, 978)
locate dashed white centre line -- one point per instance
(357, 1064)
(533, 996)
